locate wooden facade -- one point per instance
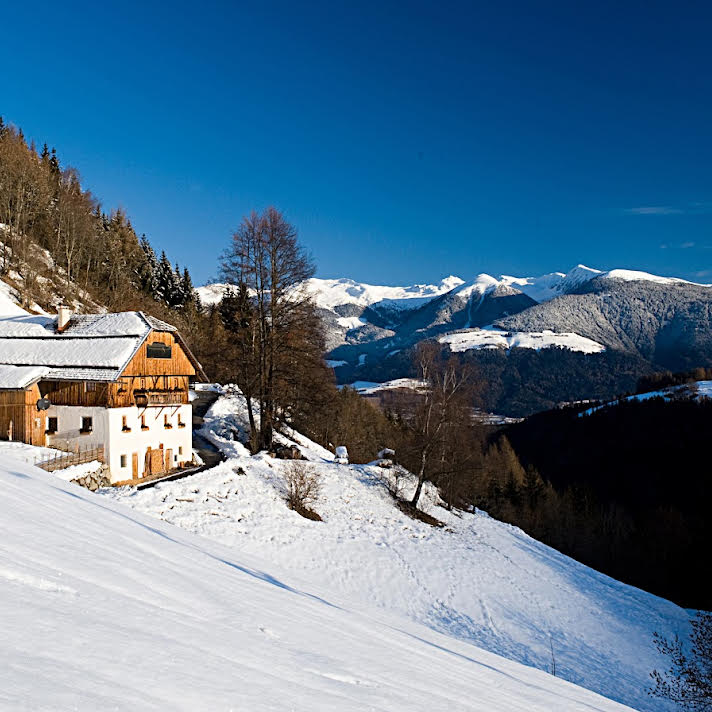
(144, 381)
(127, 391)
(178, 365)
(19, 418)
(158, 375)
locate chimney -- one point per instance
(64, 314)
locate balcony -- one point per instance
(145, 398)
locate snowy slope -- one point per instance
(684, 391)
(491, 338)
(8, 301)
(554, 284)
(367, 388)
(105, 608)
(476, 579)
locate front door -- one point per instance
(169, 460)
(134, 465)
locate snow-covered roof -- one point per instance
(20, 376)
(94, 347)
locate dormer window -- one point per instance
(158, 350)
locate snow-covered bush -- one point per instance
(303, 487)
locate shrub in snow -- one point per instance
(386, 454)
(288, 452)
(303, 487)
(342, 455)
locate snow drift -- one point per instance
(102, 607)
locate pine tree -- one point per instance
(148, 273)
(187, 288)
(178, 297)
(54, 163)
(164, 279)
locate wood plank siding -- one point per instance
(20, 408)
(162, 380)
(177, 365)
(121, 394)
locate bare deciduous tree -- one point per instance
(688, 681)
(268, 267)
(445, 406)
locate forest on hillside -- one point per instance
(95, 256)
(524, 381)
(632, 479)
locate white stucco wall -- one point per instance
(69, 423)
(108, 431)
(137, 440)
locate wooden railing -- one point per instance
(61, 460)
(145, 398)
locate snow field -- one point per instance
(490, 338)
(106, 608)
(476, 579)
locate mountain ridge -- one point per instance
(623, 323)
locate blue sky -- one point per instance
(406, 141)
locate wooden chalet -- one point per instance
(115, 382)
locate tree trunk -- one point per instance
(421, 478)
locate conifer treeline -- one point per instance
(43, 203)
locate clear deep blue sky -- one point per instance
(406, 141)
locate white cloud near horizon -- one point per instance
(677, 246)
(654, 210)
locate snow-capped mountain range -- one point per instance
(663, 320)
(332, 293)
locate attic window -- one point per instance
(158, 350)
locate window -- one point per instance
(87, 425)
(158, 350)
(88, 387)
(124, 425)
(180, 449)
(123, 461)
(181, 424)
(51, 425)
(143, 423)
(166, 422)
